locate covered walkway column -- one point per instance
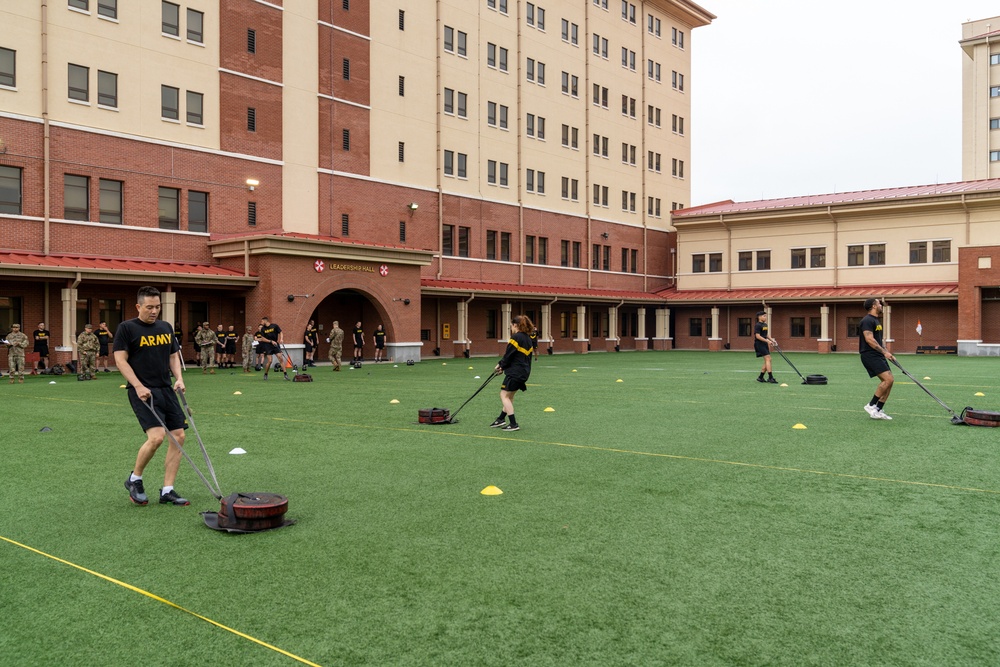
(169, 311)
(824, 342)
(545, 326)
(714, 341)
(581, 342)
(612, 340)
(641, 342)
(887, 324)
(67, 351)
(462, 342)
(662, 339)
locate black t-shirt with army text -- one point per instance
(869, 323)
(271, 332)
(149, 348)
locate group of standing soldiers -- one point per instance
(217, 349)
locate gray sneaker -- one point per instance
(172, 498)
(879, 414)
(135, 490)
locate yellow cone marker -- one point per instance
(979, 393)
(237, 393)
(799, 426)
(491, 491)
(926, 378)
(444, 363)
(549, 410)
(394, 401)
(783, 384)
(574, 370)
(619, 380)
(121, 386)
(470, 368)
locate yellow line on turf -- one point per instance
(676, 457)
(164, 601)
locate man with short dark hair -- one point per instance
(270, 338)
(41, 337)
(875, 357)
(146, 353)
(762, 343)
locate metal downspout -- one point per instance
(46, 156)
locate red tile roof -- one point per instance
(913, 191)
(937, 291)
(99, 264)
(471, 286)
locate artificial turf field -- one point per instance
(673, 518)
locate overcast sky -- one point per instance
(796, 97)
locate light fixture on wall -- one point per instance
(291, 297)
(406, 302)
(252, 183)
(413, 206)
(604, 235)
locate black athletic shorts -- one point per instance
(265, 348)
(42, 350)
(166, 405)
(230, 347)
(103, 351)
(761, 349)
(309, 347)
(874, 364)
(513, 384)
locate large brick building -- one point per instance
(432, 167)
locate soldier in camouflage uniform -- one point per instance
(16, 342)
(336, 341)
(247, 350)
(206, 341)
(87, 346)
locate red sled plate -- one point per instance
(433, 416)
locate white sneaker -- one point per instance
(871, 410)
(878, 414)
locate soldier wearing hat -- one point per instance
(16, 343)
(205, 340)
(87, 346)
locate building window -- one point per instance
(195, 111)
(676, 80)
(491, 244)
(698, 263)
(763, 260)
(345, 224)
(504, 246)
(491, 323)
(994, 91)
(346, 4)
(402, 86)
(694, 327)
(577, 247)
(169, 103)
(171, 19)
(110, 201)
(817, 258)
(195, 26)
(876, 254)
(449, 163)
(197, 211)
(543, 250)
(853, 327)
(462, 159)
(252, 214)
(346, 69)
(815, 327)
(463, 241)
(797, 327)
(941, 251)
(251, 40)
(449, 101)
(251, 119)
(8, 69)
(80, 4)
(107, 89)
(529, 180)
(635, 260)
(345, 139)
(653, 25)
(746, 261)
(994, 122)
(677, 38)
(743, 327)
(855, 255)
(76, 197)
(677, 168)
(715, 262)
(79, 83)
(10, 190)
(402, 223)
(491, 172)
(564, 253)
(402, 20)
(448, 240)
(401, 151)
(169, 208)
(798, 258)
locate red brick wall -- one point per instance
(236, 95)
(971, 280)
(238, 17)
